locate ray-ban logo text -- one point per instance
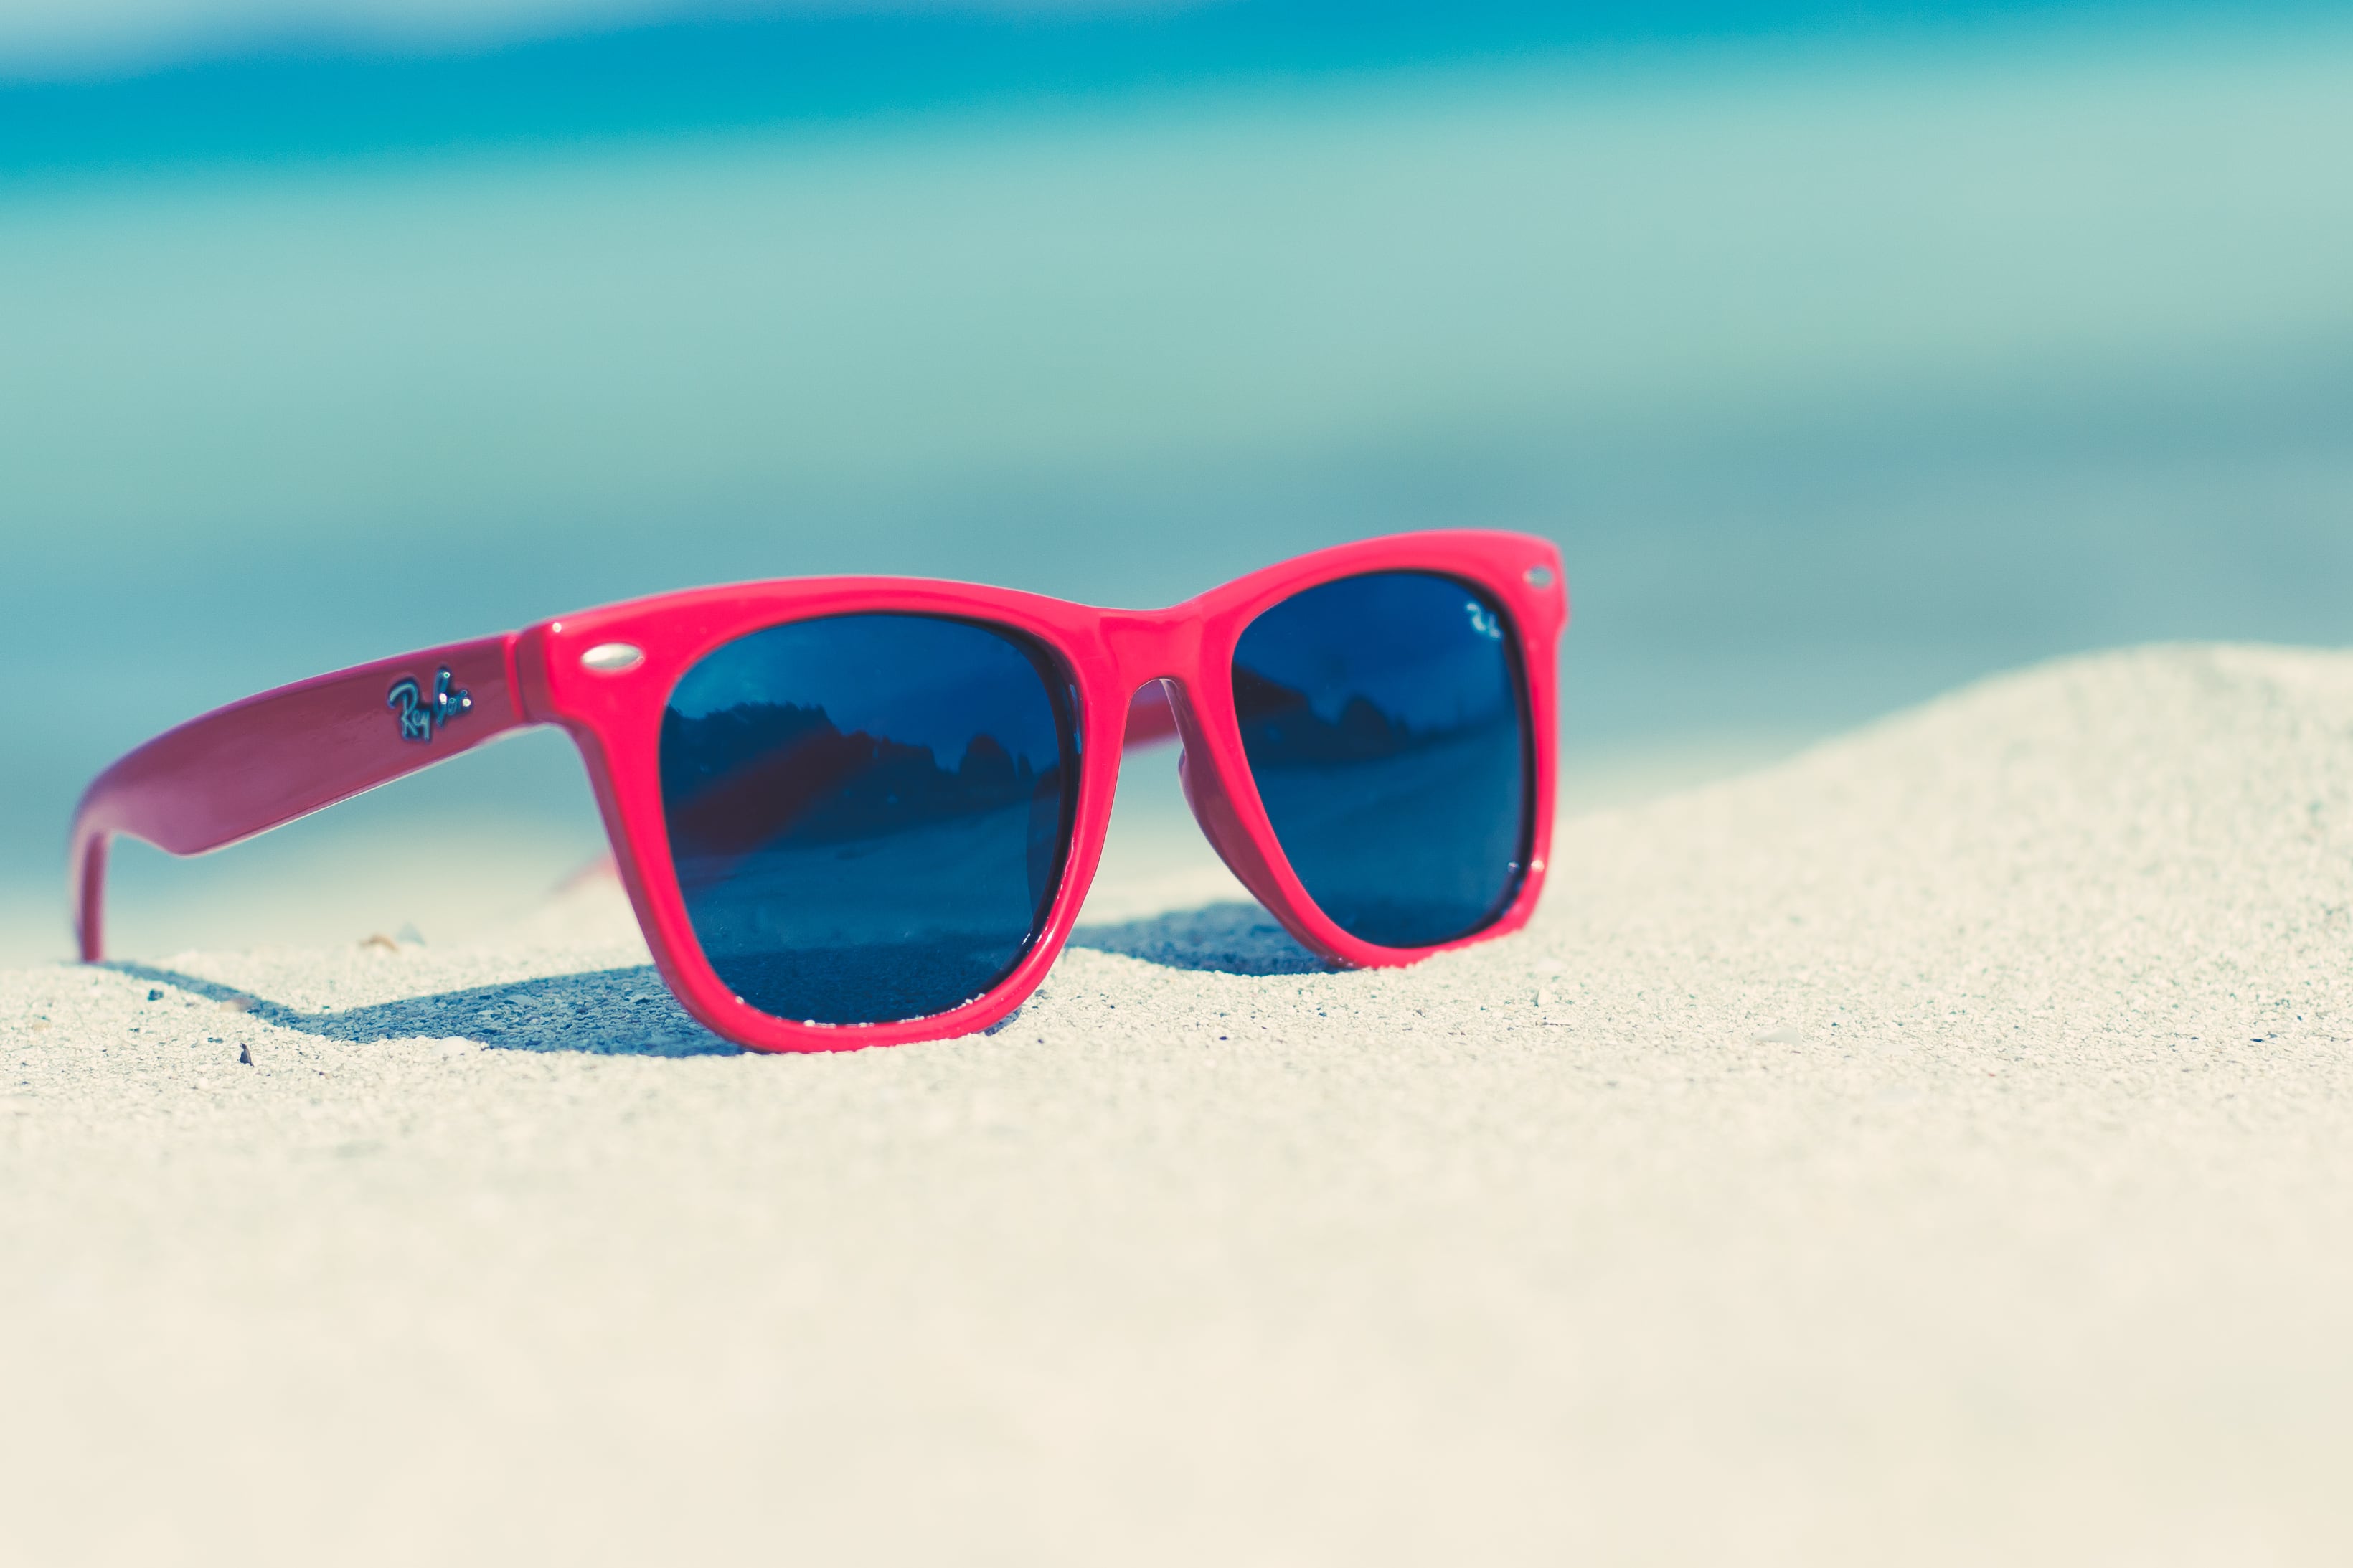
(421, 717)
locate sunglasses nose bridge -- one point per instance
(1147, 645)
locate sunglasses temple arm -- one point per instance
(262, 762)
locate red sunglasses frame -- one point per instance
(606, 675)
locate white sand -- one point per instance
(1936, 1149)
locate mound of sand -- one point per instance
(1936, 1148)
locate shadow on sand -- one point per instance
(629, 1011)
(1231, 938)
(606, 1011)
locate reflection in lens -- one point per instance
(1382, 717)
(868, 812)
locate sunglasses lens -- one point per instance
(1383, 717)
(868, 814)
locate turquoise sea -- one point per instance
(1846, 362)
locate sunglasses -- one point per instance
(857, 810)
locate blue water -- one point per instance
(231, 94)
(1848, 357)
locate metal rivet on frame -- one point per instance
(612, 658)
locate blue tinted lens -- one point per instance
(1382, 717)
(868, 813)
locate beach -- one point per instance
(1935, 1147)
